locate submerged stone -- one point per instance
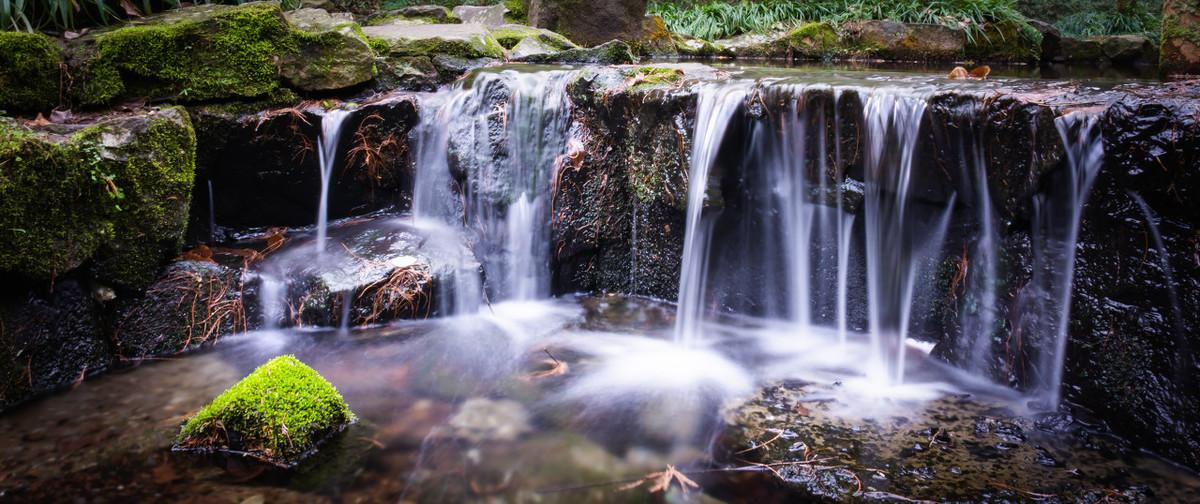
(278, 414)
(29, 71)
(115, 193)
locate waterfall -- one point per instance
(487, 152)
(715, 107)
(331, 132)
(1056, 219)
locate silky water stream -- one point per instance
(791, 339)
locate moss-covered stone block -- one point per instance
(279, 414)
(198, 53)
(29, 71)
(116, 193)
(1006, 41)
(332, 52)
(467, 41)
(509, 35)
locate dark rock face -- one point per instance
(590, 23)
(50, 339)
(264, 168)
(1180, 50)
(193, 303)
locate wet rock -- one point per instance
(590, 23)
(49, 339)
(1180, 50)
(264, 171)
(29, 71)
(1129, 49)
(486, 15)
(948, 449)
(332, 52)
(1081, 50)
(613, 52)
(112, 193)
(458, 40)
(896, 41)
(279, 414)
(450, 67)
(194, 303)
(656, 41)
(1051, 40)
(509, 35)
(409, 73)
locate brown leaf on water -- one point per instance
(959, 73)
(801, 410)
(981, 72)
(201, 253)
(553, 368)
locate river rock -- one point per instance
(1081, 50)
(1051, 40)
(1008, 41)
(810, 41)
(613, 52)
(417, 14)
(332, 55)
(194, 303)
(530, 46)
(590, 23)
(487, 15)
(279, 414)
(112, 192)
(480, 420)
(50, 338)
(459, 40)
(509, 35)
(30, 66)
(894, 41)
(1129, 50)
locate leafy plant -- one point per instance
(64, 15)
(1110, 22)
(717, 19)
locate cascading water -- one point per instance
(331, 132)
(1056, 221)
(504, 133)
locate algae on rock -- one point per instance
(279, 414)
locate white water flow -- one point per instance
(1056, 221)
(212, 214)
(715, 107)
(331, 132)
(893, 125)
(271, 298)
(487, 153)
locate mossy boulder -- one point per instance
(1006, 41)
(895, 41)
(614, 52)
(115, 192)
(198, 53)
(279, 414)
(29, 71)
(809, 41)
(469, 41)
(509, 35)
(332, 52)
(417, 14)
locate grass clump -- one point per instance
(1137, 21)
(278, 414)
(717, 20)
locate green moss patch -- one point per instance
(278, 414)
(116, 192)
(509, 35)
(29, 71)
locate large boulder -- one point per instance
(416, 14)
(509, 35)
(30, 66)
(487, 15)
(894, 41)
(590, 23)
(113, 194)
(810, 41)
(1129, 50)
(1009, 41)
(1076, 50)
(1180, 50)
(197, 53)
(331, 54)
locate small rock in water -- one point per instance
(479, 419)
